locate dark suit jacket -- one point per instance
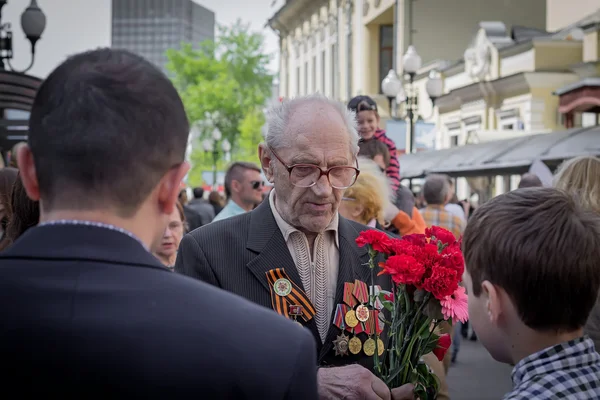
(88, 310)
(254, 245)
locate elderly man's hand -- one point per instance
(404, 392)
(353, 382)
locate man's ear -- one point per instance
(169, 187)
(27, 172)
(236, 186)
(493, 299)
(264, 154)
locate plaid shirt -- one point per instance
(569, 370)
(437, 215)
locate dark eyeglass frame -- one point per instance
(322, 172)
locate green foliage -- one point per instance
(228, 80)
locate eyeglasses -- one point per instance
(257, 184)
(307, 175)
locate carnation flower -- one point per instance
(442, 282)
(441, 234)
(379, 241)
(452, 257)
(417, 239)
(443, 345)
(404, 269)
(456, 305)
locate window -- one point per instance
(306, 77)
(323, 60)
(314, 74)
(386, 51)
(349, 78)
(334, 71)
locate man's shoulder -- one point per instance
(223, 227)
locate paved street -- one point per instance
(476, 376)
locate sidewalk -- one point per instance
(477, 376)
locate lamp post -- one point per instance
(212, 145)
(393, 89)
(33, 23)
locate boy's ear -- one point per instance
(493, 301)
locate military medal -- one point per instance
(284, 292)
(369, 347)
(351, 319)
(355, 345)
(361, 293)
(380, 347)
(282, 287)
(295, 311)
(341, 345)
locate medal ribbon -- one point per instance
(340, 312)
(281, 304)
(373, 324)
(361, 291)
(348, 297)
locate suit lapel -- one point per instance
(351, 266)
(266, 239)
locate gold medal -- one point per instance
(369, 347)
(341, 345)
(362, 313)
(350, 319)
(380, 347)
(355, 345)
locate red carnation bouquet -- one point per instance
(426, 271)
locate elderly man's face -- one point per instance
(319, 137)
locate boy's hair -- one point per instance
(543, 248)
(372, 148)
(362, 103)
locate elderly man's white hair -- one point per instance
(278, 119)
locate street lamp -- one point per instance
(393, 88)
(33, 23)
(212, 145)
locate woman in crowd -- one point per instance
(166, 250)
(216, 200)
(8, 177)
(581, 177)
(366, 200)
(22, 213)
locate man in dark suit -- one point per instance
(295, 250)
(86, 309)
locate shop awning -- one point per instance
(503, 157)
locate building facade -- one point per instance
(151, 27)
(343, 48)
(520, 82)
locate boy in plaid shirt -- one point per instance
(533, 274)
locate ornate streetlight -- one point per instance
(33, 23)
(393, 88)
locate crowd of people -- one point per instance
(116, 283)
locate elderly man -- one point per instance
(437, 193)
(298, 237)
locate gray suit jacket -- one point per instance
(235, 254)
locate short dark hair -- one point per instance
(235, 172)
(530, 180)
(372, 148)
(362, 103)
(105, 126)
(198, 192)
(543, 248)
(23, 212)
